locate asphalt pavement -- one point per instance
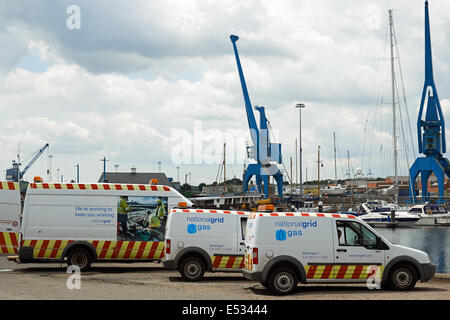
(132, 281)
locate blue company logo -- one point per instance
(294, 228)
(280, 235)
(202, 223)
(191, 228)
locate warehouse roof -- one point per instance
(135, 177)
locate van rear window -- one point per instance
(244, 227)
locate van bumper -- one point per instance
(427, 271)
(254, 276)
(169, 264)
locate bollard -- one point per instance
(392, 215)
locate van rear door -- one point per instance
(359, 252)
(242, 227)
(10, 210)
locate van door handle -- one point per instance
(8, 229)
(242, 243)
(341, 250)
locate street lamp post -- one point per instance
(104, 168)
(300, 106)
(78, 173)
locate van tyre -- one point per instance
(282, 281)
(192, 269)
(402, 277)
(81, 258)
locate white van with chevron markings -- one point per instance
(199, 240)
(86, 222)
(283, 249)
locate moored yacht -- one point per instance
(430, 214)
(379, 214)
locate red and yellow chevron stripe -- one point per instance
(356, 271)
(302, 214)
(228, 262)
(7, 185)
(248, 262)
(210, 211)
(120, 250)
(99, 186)
(9, 242)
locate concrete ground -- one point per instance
(151, 281)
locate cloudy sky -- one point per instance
(142, 82)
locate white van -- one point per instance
(100, 221)
(10, 210)
(283, 249)
(199, 240)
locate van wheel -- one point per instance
(192, 269)
(282, 281)
(402, 277)
(80, 258)
(265, 284)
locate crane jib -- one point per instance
(248, 106)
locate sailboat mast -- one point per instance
(224, 169)
(394, 129)
(318, 171)
(335, 168)
(350, 176)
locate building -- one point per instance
(134, 177)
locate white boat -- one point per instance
(337, 190)
(430, 214)
(228, 202)
(308, 206)
(378, 214)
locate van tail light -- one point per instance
(168, 246)
(255, 255)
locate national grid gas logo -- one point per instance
(197, 224)
(292, 229)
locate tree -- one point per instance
(201, 185)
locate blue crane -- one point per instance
(430, 130)
(14, 173)
(262, 151)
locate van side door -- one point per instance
(359, 253)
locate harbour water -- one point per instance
(433, 240)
